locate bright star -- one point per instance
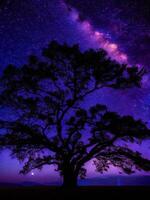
(32, 173)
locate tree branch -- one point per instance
(97, 148)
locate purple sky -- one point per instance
(122, 28)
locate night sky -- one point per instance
(121, 27)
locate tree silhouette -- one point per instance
(50, 124)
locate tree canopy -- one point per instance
(49, 123)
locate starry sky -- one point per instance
(121, 27)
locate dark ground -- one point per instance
(54, 193)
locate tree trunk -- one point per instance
(69, 179)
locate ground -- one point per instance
(54, 193)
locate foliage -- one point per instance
(50, 124)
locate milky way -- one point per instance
(122, 28)
(125, 22)
(97, 36)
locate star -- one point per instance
(32, 174)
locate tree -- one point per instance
(50, 124)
